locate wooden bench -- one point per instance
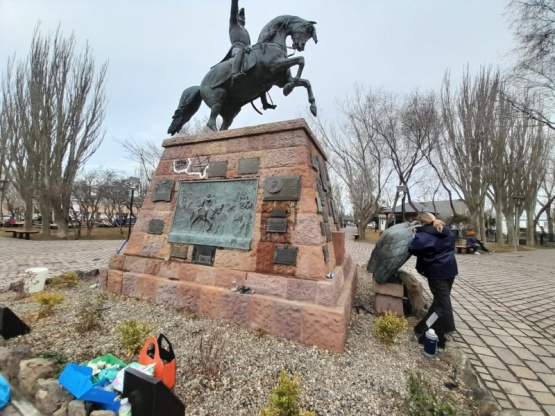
(468, 250)
(21, 233)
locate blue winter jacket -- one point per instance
(435, 252)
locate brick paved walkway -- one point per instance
(504, 315)
(503, 306)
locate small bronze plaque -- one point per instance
(163, 190)
(217, 169)
(325, 214)
(286, 255)
(277, 225)
(334, 212)
(155, 227)
(204, 255)
(318, 204)
(179, 251)
(278, 213)
(314, 161)
(282, 188)
(248, 166)
(326, 230)
(326, 251)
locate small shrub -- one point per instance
(423, 401)
(29, 279)
(208, 359)
(47, 301)
(283, 399)
(89, 314)
(388, 326)
(67, 279)
(132, 334)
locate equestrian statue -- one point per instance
(249, 72)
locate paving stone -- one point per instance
(482, 350)
(509, 341)
(525, 340)
(493, 362)
(538, 367)
(505, 404)
(524, 353)
(504, 375)
(544, 398)
(549, 361)
(548, 379)
(513, 388)
(498, 395)
(534, 385)
(524, 403)
(538, 350)
(550, 410)
(523, 372)
(530, 413)
(507, 356)
(492, 341)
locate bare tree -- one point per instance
(533, 24)
(470, 118)
(55, 105)
(357, 157)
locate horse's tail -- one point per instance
(189, 104)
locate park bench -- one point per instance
(21, 233)
(468, 250)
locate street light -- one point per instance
(403, 189)
(133, 183)
(518, 200)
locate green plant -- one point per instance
(423, 401)
(388, 326)
(47, 301)
(283, 399)
(132, 334)
(66, 279)
(89, 314)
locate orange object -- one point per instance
(162, 358)
(471, 233)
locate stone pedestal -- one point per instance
(195, 237)
(388, 297)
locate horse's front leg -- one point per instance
(283, 64)
(305, 83)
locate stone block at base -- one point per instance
(391, 304)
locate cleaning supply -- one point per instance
(124, 407)
(430, 343)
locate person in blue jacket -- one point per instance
(434, 247)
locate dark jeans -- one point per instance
(440, 314)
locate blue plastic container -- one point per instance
(4, 392)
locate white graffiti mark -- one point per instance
(186, 166)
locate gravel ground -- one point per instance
(367, 379)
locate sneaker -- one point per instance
(476, 253)
(419, 337)
(491, 252)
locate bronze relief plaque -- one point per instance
(282, 188)
(215, 213)
(279, 213)
(179, 251)
(285, 255)
(217, 169)
(248, 166)
(204, 255)
(326, 251)
(325, 228)
(163, 190)
(155, 227)
(277, 225)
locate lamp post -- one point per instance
(518, 200)
(133, 183)
(403, 189)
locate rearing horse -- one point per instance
(266, 65)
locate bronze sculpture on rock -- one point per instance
(265, 64)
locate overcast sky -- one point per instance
(156, 49)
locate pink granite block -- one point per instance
(390, 289)
(114, 281)
(236, 308)
(153, 245)
(188, 272)
(103, 278)
(224, 278)
(326, 293)
(338, 241)
(178, 295)
(135, 244)
(268, 285)
(391, 304)
(324, 327)
(210, 302)
(288, 320)
(152, 266)
(135, 264)
(308, 231)
(206, 276)
(302, 290)
(117, 262)
(130, 285)
(262, 313)
(311, 264)
(169, 269)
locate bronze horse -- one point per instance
(266, 65)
